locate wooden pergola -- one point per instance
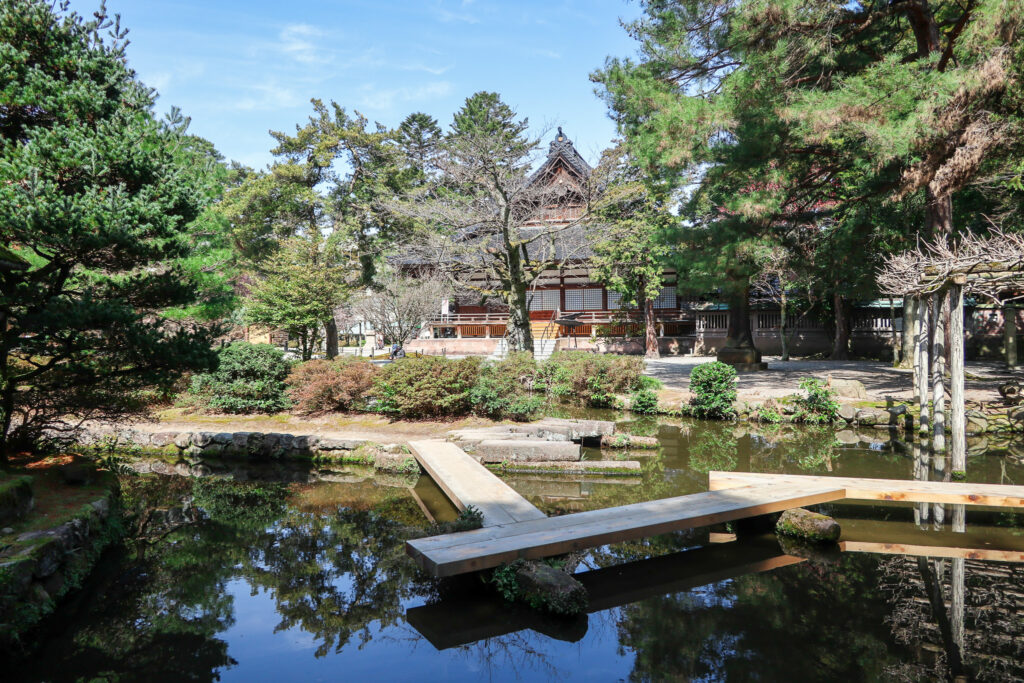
(936, 277)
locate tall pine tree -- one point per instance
(95, 199)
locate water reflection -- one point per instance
(262, 581)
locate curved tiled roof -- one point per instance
(562, 149)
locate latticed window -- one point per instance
(543, 300)
(574, 299)
(667, 298)
(593, 299)
(614, 301)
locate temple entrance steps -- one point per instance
(543, 348)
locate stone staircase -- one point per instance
(543, 348)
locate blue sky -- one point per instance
(240, 69)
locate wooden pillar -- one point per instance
(938, 360)
(907, 347)
(911, 329)
(958, 417)
(1010, 335)
(923, 317)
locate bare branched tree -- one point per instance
(399, 305)
(488, 225)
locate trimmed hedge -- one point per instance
(714, 391)
(430, 386)
(249, 379)
(320, 386)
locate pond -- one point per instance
(297, 575)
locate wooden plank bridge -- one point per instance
(514, 529)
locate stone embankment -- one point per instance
(198, 448)
(37, 568)
(548, 445)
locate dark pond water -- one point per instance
(269, 581)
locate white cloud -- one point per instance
(371, 97)
(267, 96)
(297, 42)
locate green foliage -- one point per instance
(769, 412)
(97, 196)
(819, 405)
(506, 389)
(648, 383)
(589, 378)
(504, 580)
(644, 402)
(250, 378)
(302, 284)
(430, 386)
(320, 386)
(239, 503)
(714, 391)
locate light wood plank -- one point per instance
(466, 482)
(994, 495)
(932, 551)
(486, 548)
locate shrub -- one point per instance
(714, 391)
(647, 382)
(505, 389)
(644, 402)
(769, 412)
(342, 384)
(819, 405)
(430, 386)
(249, 379)
(589, 378)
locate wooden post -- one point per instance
(1010, 335)
(911, 329)
(923, 366)
(958, 422)
(938, 357)
(907, 346)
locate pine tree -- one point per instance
(793, 113)
(96, 196)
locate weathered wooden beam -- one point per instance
(923, 370)
(958, 414)
(938, 375)
(902, 490)
(489, 547)
(1010, 335)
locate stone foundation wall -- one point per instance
(453, 347)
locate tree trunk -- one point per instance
(895, 342)
(651, 349)
(331, 342)
(907, 336)
(739, 346)
(520, 334)
(841, 343)
(7, 389)
(783, 328)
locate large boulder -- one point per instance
(810, 526)
(847, 412)
(552, 590)
(847, 388)
(977, 423)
